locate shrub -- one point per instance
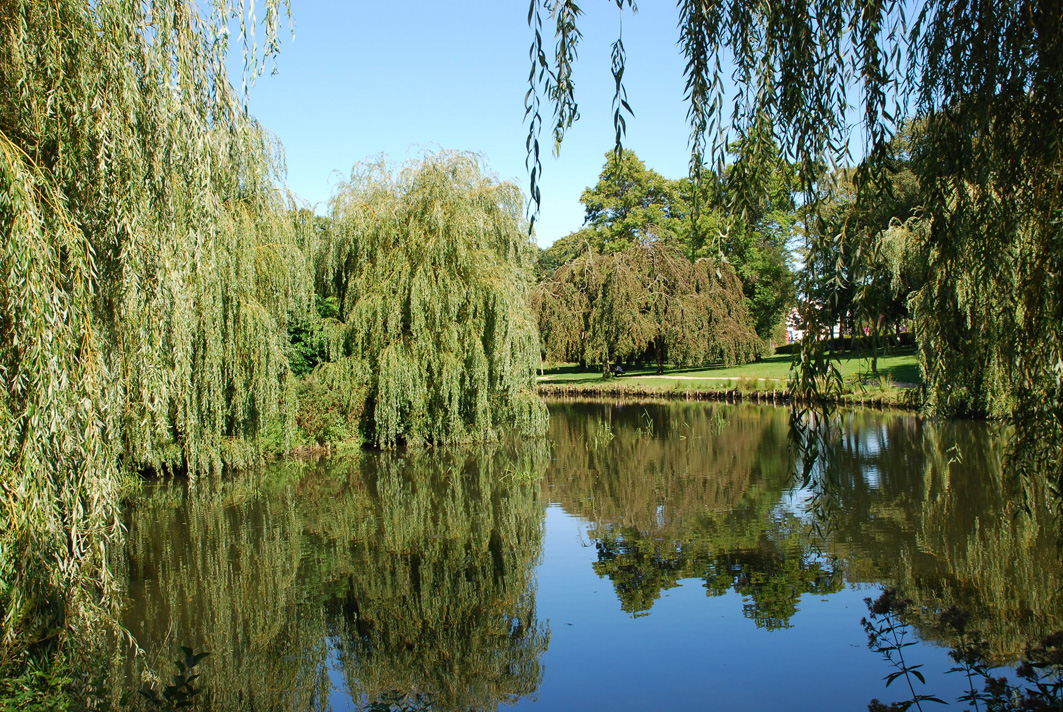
(331, 402)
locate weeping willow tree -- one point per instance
(431, 262)
(985, 79)
(648, 298)
(149, 268)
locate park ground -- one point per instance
(897, 382)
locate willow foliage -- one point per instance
(991, 166)
(986, 80)
(149, 268)
(648, 298)
(431, 264)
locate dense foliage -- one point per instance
(157, 293)
(991, 162)
(431, 265)
(753, 229)
(632, 204)
(984, 79)
(148, 269)
(882, 259)
(646, 302)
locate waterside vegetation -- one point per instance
(896, 384)
(979, 84)
(158, 286)
(645, 302)
(167, 308)
(430, 264)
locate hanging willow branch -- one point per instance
(431, 265)
(985, 80)
(795, 67)
(149, 268)
(646, 299)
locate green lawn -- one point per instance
(900, 367)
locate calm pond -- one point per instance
(646, 556)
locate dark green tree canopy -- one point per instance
(751, 228)
(631, 204)
(883, 255)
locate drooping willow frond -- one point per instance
(149, 268)
(431, 263)
(646, 299)
(984, 81)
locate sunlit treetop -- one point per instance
(431, 263)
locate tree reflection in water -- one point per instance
(390, 576)
(688, 491)
(702, 491)
(929, 509)
(408, 579)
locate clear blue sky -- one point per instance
(361, 79)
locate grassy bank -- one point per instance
(897, 384)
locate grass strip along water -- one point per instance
(897, 384)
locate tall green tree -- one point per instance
(747, 214)
(632, 204)
(629, 204)
(431, 265)
(149, 266)
(882, 253)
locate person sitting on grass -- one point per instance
(618, 370)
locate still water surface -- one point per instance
(646, 556)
